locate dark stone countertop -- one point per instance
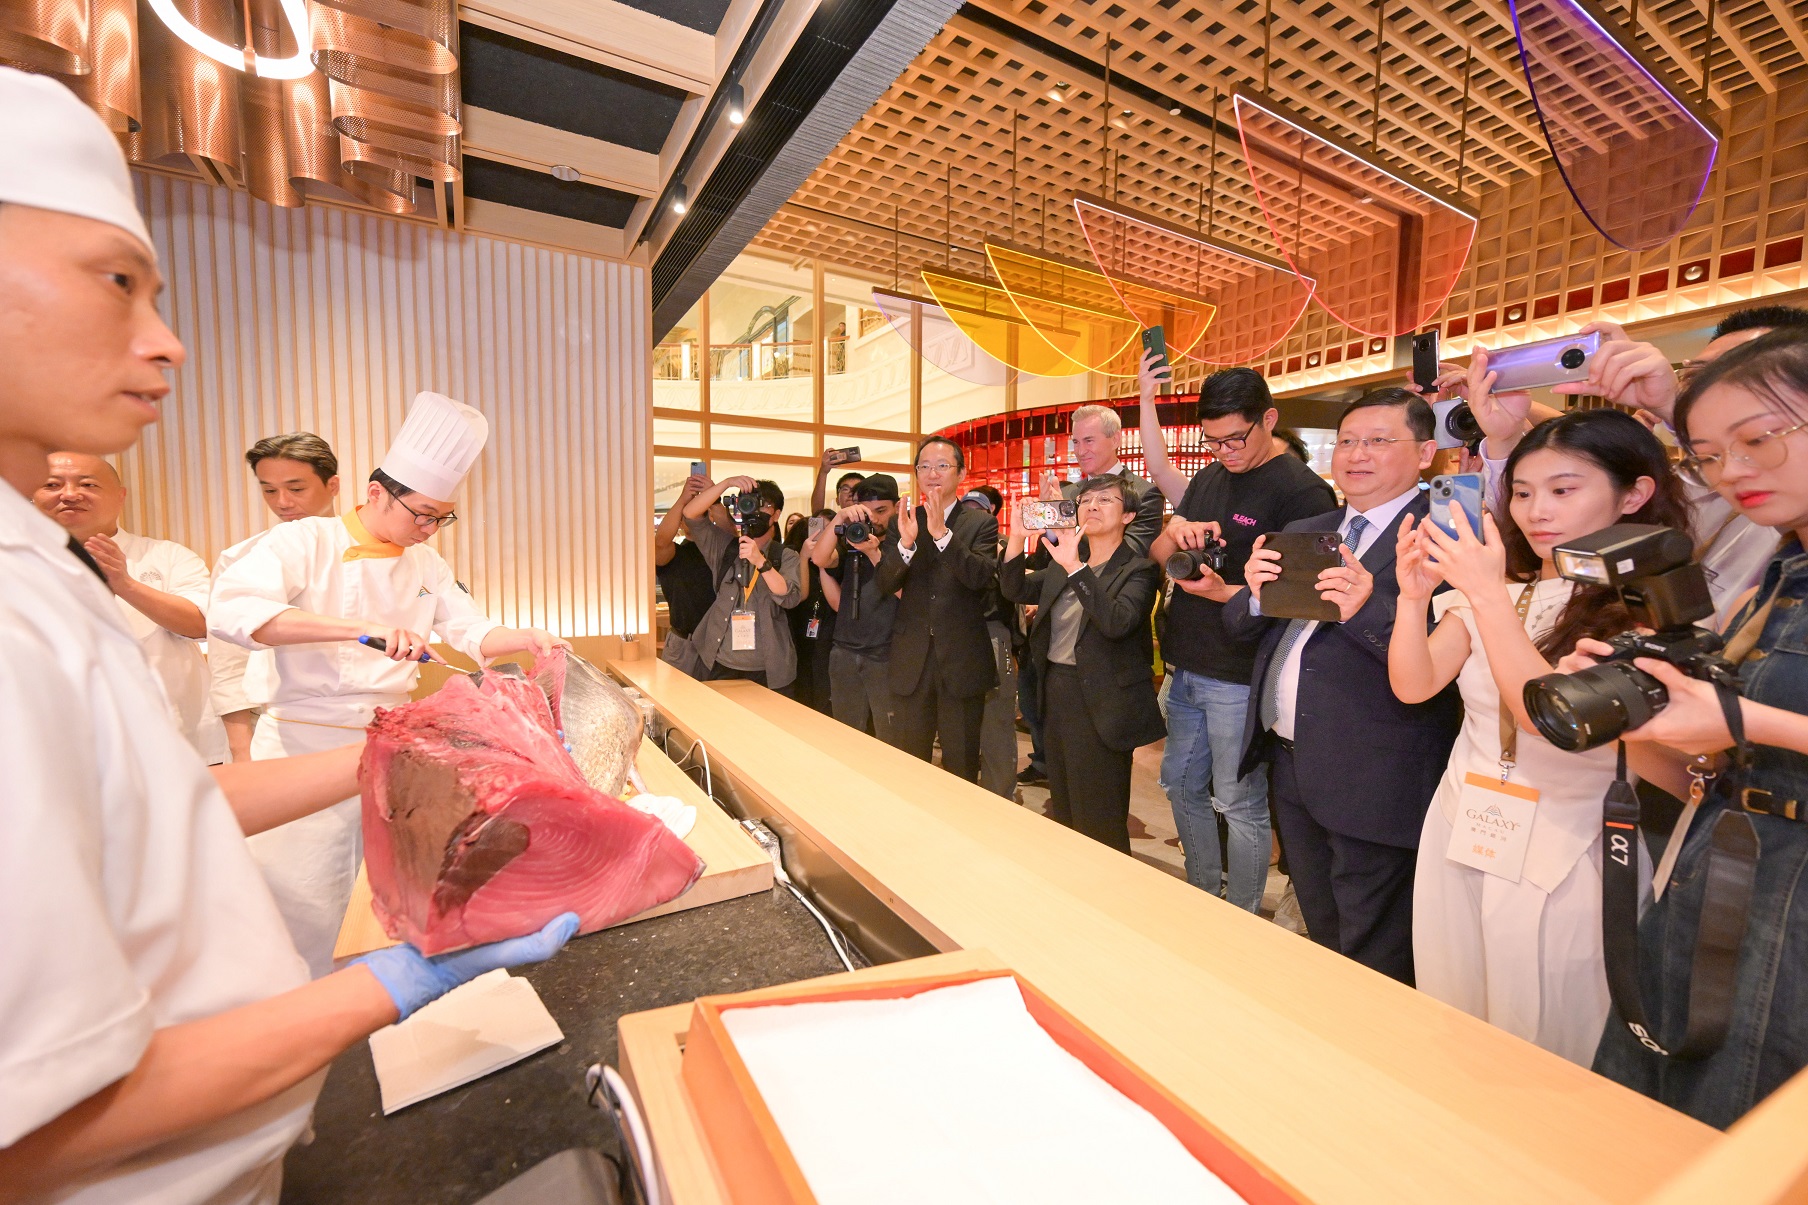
(462, 1144)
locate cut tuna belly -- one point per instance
(478, 825)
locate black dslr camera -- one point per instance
(1654, 571)
(855, 531)
(744, 510)
(1190, 564)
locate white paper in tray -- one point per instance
(482, 1026)
(955, 1096)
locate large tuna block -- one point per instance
(478, 825)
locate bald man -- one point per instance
(161, 588)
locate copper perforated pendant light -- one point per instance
(358, 108)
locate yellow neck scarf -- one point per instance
(365, 545)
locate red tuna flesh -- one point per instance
(478, 825)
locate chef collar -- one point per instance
(364, 545)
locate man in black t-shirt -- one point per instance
(1245, 492)
(684, 579)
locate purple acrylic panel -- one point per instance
(1633, 149)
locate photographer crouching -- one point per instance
(1718, 983)
(744, 633)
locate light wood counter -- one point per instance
(1352, 1087)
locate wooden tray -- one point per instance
(733, 864)
(742, 1133)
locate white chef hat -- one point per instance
(56, 153)
(437, 445)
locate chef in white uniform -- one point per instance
(161, 588)
(159, 1039)
(298, 476)
(308, 590)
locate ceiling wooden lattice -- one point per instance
(946, 130)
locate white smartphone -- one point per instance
(1546, 362)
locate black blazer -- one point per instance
(1114, 652)
(942, 613)
(1367, 763)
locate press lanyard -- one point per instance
(1509, 730)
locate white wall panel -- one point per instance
(323, 320)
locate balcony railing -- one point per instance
(745, 361)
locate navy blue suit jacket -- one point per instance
(1367, 764)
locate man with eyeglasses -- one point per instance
(1731, 548)
(347, 606)
(1247, 491)
(1351, 768)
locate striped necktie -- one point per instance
(1296, 631)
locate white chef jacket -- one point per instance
(226, 662)
(127, 895)
(177, 660)
(335, 567)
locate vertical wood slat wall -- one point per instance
(325, 320)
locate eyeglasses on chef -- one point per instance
(421, 519)
(1765, 450)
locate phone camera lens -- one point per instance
(1572, 358)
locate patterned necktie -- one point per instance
(1296, 631)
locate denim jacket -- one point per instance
(1767, 1041)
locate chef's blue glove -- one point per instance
(412, 979)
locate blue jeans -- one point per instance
(1199, 773)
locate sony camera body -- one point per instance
(1665, 591)
(1190, 564)
(855, 531)
(744, 510)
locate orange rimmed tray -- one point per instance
(742, 1133)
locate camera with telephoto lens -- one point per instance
(1190, 564)
(855, 531)
(1654, 570)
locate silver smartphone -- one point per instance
(1546, 362)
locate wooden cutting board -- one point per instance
(733, 864)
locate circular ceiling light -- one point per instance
(1058, 93)
(243, 58)
(1377, 345)
(1693, 272)
(1312, 360)
(1174, 112)
(1515, 313)
(565, 172)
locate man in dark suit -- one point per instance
(1351, 768)
(945, 560)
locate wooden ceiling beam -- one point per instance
(607, 32)
(507, 139)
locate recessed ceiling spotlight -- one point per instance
(1312, 360)
(1515, 313)
(1174, 112)
(565, 172)
(681, 199)
(1377, 345)
(1058, 93)
(737, 105)
(1362, 198)
(1693, 272)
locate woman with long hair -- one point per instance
(1744, 421)
(1507, 898)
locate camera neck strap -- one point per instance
(1727, 879)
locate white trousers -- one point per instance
(1518, 958)
(311, 863)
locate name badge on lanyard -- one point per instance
(741, 636)
(1493, 826)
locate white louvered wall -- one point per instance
(323, 320)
